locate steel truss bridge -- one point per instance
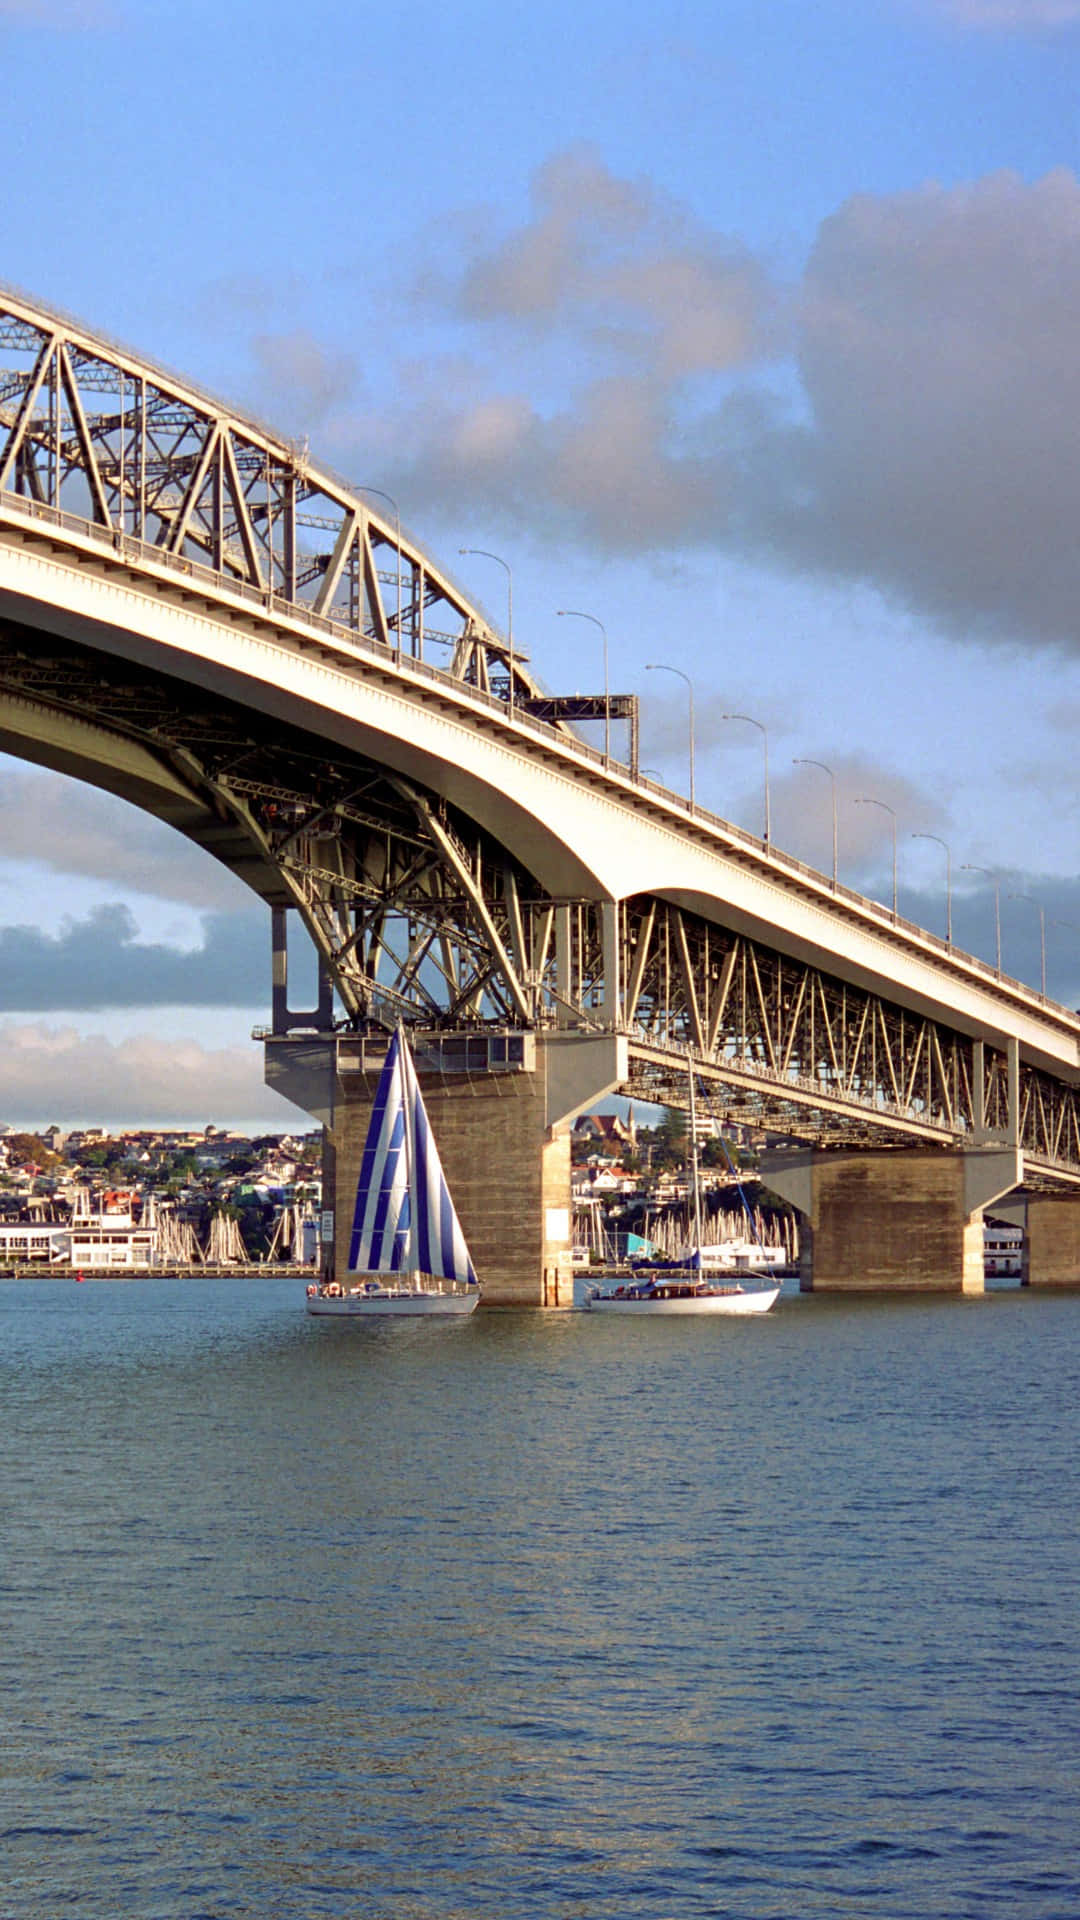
(197, 616)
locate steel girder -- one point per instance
(416, 912)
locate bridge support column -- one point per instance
(503, 1133)
(1051, 1256)
(907, 1220)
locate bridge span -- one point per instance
(196, 616)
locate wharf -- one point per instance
(205, 1270)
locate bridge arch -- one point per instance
(198, 616)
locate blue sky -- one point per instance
(753, 331)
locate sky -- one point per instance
(752, 331)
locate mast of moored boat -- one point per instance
(694, 1170)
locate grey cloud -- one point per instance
(1020, 896)
(308, 380)
(802, 811)
(608, 375)
(614, 307)
(606, 469)
(97, 962)
(941, 363)
(75, 829)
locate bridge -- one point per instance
(197, 616)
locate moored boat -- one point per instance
(672, 1294)
(663, 1289)
(407, 1255)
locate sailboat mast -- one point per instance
(694, 1166)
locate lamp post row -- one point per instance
(863, 800)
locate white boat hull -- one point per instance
(392, 1304)
(663, 1307)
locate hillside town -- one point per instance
(155, 1199)
(632, 1190)
(152, 1199)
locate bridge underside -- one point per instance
(417, 913)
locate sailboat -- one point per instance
(407, 1254)
(683, 1286)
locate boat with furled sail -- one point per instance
(676, 1293)
(407, 1255)
(659, 1289)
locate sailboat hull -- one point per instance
(392, 1303)
(674, 1305)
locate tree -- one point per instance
(670, 1139)
(26, 1147)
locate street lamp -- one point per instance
(360, 488)
(996, 884)
(497, 557)
(659, 667)
(948, 880)
(765, 741)
(832, 777)
(865, 801)
(1042, 931)
(571, 613)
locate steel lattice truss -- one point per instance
(412, 909)
(415, 912)
(90, 431)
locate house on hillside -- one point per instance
(606, 1130)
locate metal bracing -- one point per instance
(89, 430)
(413, 909)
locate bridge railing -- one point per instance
(348, 642)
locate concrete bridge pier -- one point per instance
(1051, 1256)
(905, 1220)
(501, 1108)
(1050, 1224)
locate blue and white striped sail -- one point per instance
(405, 1220)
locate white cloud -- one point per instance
(623, 267)
(941, 361)
(607, 375)
(569, 356)
(57, 1073)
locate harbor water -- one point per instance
(537, 1616)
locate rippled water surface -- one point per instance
(537, 1616)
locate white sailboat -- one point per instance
(408, 1253)
(686, 1286)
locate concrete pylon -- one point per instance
(503, 1131)
(1051, 1254)
(902, 1220)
